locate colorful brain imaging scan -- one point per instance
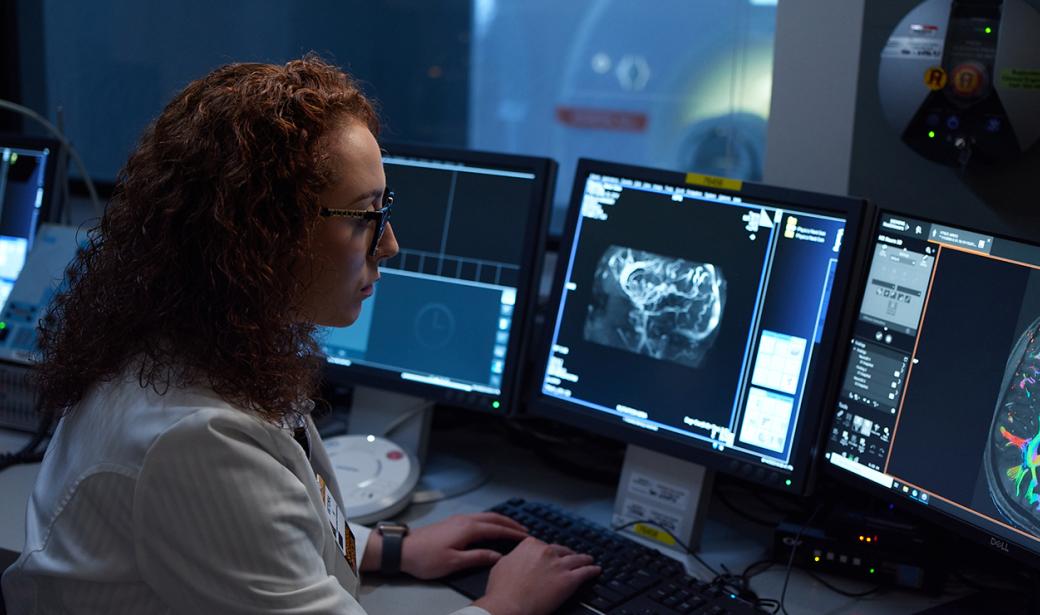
(662, 307)
(1013, 450)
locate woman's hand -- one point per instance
(440, 549)
(535, 579)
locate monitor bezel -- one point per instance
(533, 239)
(52, 177)
(818, 387)
(963, 527)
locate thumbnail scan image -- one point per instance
(1012, 456)
(659, 306)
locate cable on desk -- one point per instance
(739, 584)
(843, 592)
(794, 550)
(674, 537)
(766, 564)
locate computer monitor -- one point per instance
(450, 315)
(939, 407)
(28, 180)
(697, 317)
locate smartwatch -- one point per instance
(393, 534)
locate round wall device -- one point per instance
(960, 80)
(376, 476)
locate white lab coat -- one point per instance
(180, 503)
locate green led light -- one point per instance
(871, 571)
(495, 404)
(931, 134)
(989, 30)
(3, 325)
(788, 482)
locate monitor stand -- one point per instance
(666, 493)
(405, 420)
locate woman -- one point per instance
(181, 357)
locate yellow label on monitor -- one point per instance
(714, 182)
(654, 534)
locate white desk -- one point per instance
(516, 472)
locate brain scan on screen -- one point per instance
(659, 306)
(1012, 453)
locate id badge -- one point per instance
(338, 521)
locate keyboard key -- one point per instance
(600, 603)
(608, 594)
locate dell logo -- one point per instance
(999, 544)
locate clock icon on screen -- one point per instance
(434, 325)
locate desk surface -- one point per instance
(517, 472)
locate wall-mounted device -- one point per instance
(960, 80)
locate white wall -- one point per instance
(811, 117)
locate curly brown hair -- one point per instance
(188, 277)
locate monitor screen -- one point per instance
(448, 319)
(940, 401)
(27, 177)
(698, 321)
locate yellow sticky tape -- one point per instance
(714, 182)
(654, 534)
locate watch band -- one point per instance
(393, 536)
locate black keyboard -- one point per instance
(636, 580)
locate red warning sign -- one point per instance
(602, 119)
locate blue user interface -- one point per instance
(443, 311)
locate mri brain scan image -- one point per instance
(659, 306)
(1012, 454)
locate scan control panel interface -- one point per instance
(693, 315)
(940, 401)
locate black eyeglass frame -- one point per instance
(381, 216)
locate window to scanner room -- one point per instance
(670, 84)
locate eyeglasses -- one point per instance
(381, 216)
